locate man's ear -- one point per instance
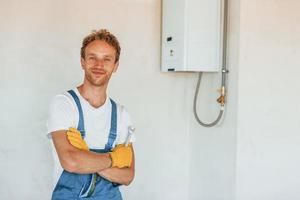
(116, 66)
(82, 62)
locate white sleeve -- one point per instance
(62, 114)
(125, 122)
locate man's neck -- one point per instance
(95, 95)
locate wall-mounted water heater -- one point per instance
(194, 39)
(192, 35)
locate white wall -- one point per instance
(251, 155)
(213, 150)
(268, 91)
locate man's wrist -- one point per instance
(109, 160)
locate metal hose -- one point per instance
(195, 106)
(221, 99)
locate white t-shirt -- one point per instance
(63, 114)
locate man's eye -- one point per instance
(91, 58)
(107, 59)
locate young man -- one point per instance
(89, 129)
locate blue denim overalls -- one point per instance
(71, 186)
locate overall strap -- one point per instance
(89, 188)
(80, 126)
(113, 126)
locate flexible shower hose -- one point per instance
(195, 107)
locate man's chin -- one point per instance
(100, 83)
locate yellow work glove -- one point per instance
(76, 140)
(121, 156)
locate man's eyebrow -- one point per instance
(91, 54)
(108, 56)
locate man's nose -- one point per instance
(99, 62)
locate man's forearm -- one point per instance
(122, 176)
(84, 162)
(78, 161)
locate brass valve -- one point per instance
(221, 99)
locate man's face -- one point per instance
(99, 62)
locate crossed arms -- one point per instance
(86, 162)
